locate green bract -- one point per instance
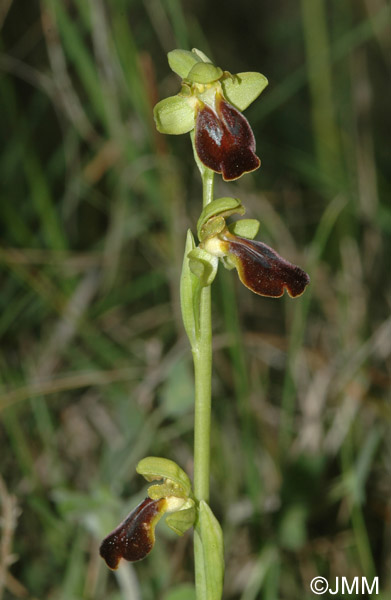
(189, 292)
(211, 574)
(203, 265)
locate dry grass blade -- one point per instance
(64, 383)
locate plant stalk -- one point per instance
(202, 357)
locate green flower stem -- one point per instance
(207, 186)
(202, 357)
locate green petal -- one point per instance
(204, 73)
(247, 228)
(174, 115)
(181, 61)
(201, 55)
(223, 207)
(166, 490)
(243, 88)
(154, 467)
(213, 227)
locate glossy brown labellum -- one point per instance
(264, 271)
(134, 538)
(224, 140)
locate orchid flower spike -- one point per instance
(210, 103)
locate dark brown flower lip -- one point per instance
(262, 270)
(134, 538)
(224, 140)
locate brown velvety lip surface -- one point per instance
(264, 271)
(133, 539)
(224, 141)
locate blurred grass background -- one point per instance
(95, 367)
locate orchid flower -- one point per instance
(209, 104)
(134, 538)
(260, 268)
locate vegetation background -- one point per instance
(95, 367)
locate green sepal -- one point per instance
(181, 520)
(243, 88)
(182, 61)
(247, 228)
(203, 265)
(201, 55)
(223, 207)
(190, 290)
(155, 468)
(204, 73)
(210, 575)
(174, 115)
